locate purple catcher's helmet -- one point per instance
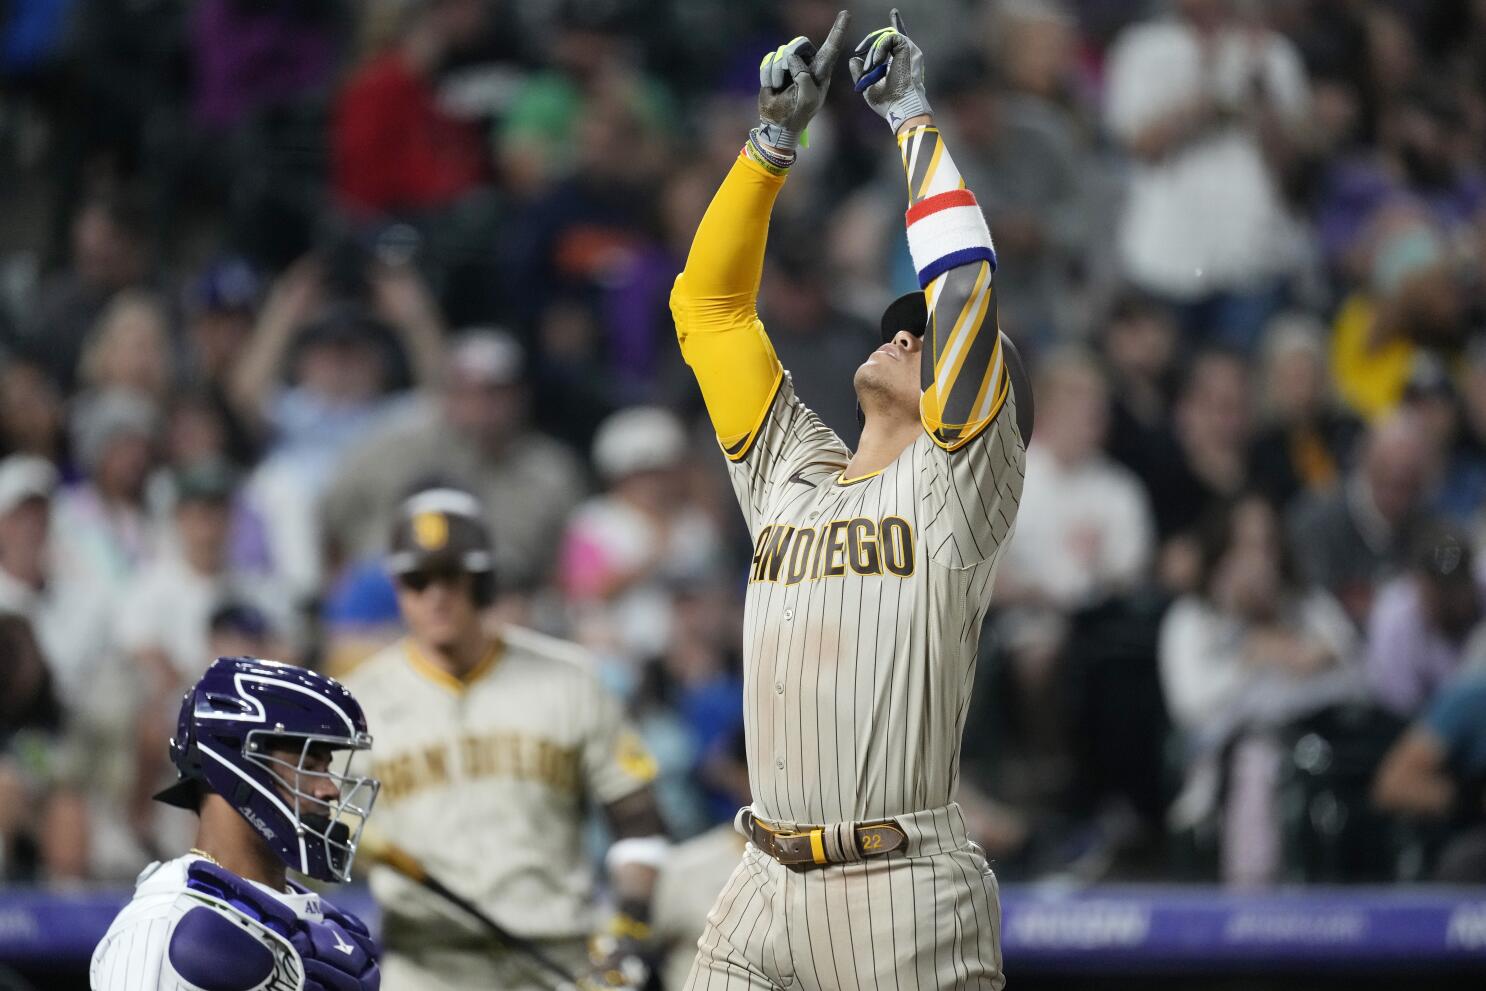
(231, 725)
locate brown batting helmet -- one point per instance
(444, 530)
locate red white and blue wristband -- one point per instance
(945, 231)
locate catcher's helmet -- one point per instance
(444, 530)
(230, 725)
(910, 312)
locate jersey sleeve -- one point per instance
(616, 762)
(969, 497)
(791, 443)
(130, 959)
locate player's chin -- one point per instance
(869, 375)
(880, 383)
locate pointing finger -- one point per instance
(830, 49)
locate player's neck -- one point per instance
(227, 839)
(463, 655)
(883, 439)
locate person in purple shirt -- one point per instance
(1421, 622)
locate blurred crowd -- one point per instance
(269, 266)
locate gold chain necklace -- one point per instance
(205, 856)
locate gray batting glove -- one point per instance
(887, 68)
(793, 80)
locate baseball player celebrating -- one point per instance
(491, 748)
(264, 754)
(871, 570)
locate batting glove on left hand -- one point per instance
(793, 81)
(887, 68)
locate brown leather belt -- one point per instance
(821, 846)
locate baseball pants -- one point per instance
(930, 919)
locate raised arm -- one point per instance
(713, 301)
(964, 377)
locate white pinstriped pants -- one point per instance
(929, 921)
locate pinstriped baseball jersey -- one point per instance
(487, 780)
(863, 611)
(132, 956)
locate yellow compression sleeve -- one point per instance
(713, 303)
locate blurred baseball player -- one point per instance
(264, 754)
(871, 570)
(492, 747)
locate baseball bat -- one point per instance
(390, 855)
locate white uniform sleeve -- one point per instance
(130, 959)
(971, 494)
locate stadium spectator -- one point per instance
(1084, 532)
(106, 527)
(1412, 302)
(129, 347)
(625, 550)
(31, 417)
(221, 309)
(238, 628)
(1462, 489)
(248, 56)
(474, 435)
(69, 618)
(1139, 348)
(1356, 537)
(1416, 162)
(27, 704)
(688, 707)
(1211, 109)
(591, 72)
(111, 250)
(70, 621)
(1036, 41)
(1030, 158)
(813, 337)
(1437, 774)
(1304, 440)
(395, 148)
(1253, 648)
(164, 616)
(1083, 536)
(1422, 622)
(318, 376)
(1200, 460)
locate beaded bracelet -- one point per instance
(771, 163)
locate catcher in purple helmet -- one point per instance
(264, 751)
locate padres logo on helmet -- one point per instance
(431, 530)
(443, 530)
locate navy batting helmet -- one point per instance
(234, 724)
